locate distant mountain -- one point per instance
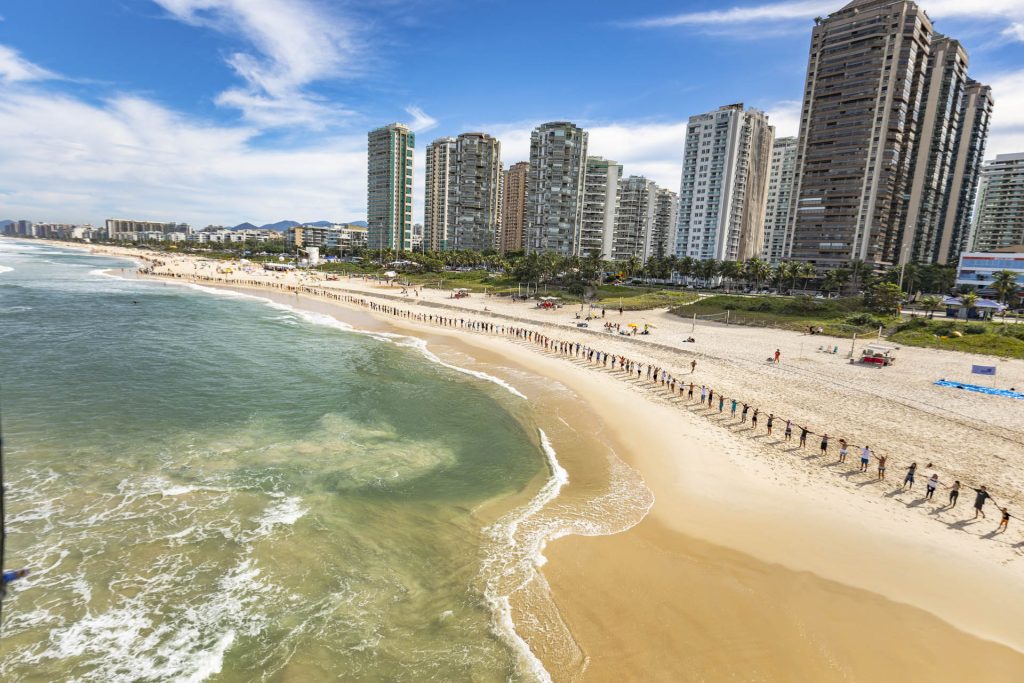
(280, 226)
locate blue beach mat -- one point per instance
(980, 389)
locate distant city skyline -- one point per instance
(258, 111)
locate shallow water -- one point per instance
(211, 487)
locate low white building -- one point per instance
(976, 268)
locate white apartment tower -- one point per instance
(554, 201)
(724, 188)
(600, 201)
(781, 186)
(662, 237)
(1000, 219)
(634, 219)
(435, 200)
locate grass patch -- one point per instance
(837, 317)
(993, 339)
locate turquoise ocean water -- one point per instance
(210, 487)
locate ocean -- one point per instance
(207, 485)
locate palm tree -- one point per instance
(686, 267)
(707, 270)
(806, 272)
(836, 279)
(859, 269)
(757, 271)
(730, 270)
(631, 265)
(781, 274)
(930, 304)
(1004, 282)
(968, 301)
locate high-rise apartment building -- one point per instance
(724, 189)
(474, 192)
(865, 78)
(779, 207)
(1000, 217)
(554, 201)
(634, 218)
(435, 197)
(970, 153)
(389, 164)
(661, 240)
(600, 201)
(513, 208)
(935, 147)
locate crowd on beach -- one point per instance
(674, 385)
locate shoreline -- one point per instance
(720, 492)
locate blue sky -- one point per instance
(220, 111)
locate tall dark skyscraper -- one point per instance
(892, 135)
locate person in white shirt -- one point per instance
(865, 457)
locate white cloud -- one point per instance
(1006, 135)
(785, 116)
(294, 44)
(14, 67)
(68, 160)
(772, 12)
(730, 19)
(421, 120)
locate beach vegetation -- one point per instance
(989, 338)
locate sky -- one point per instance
(224, 111)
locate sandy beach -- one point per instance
(758, 560)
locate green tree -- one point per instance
(937, 278)
(859, 271)
(1004, 282)
(631, 265)
(757, 271)
(836, 279)
(806, 271)
(969, 300)
(930, 304)
(686, 267)
(884, 297)
(707, 270)
(781, 274)
(730, 270)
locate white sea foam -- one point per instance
(5, 269)
(285, 512)
(519, 540)
(105, 272)
(518, 562)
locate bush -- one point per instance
(914, 324)
(864, 320)
(975, 329)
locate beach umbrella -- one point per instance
(632, 325)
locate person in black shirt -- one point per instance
(1005, 521)
(979, 501)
